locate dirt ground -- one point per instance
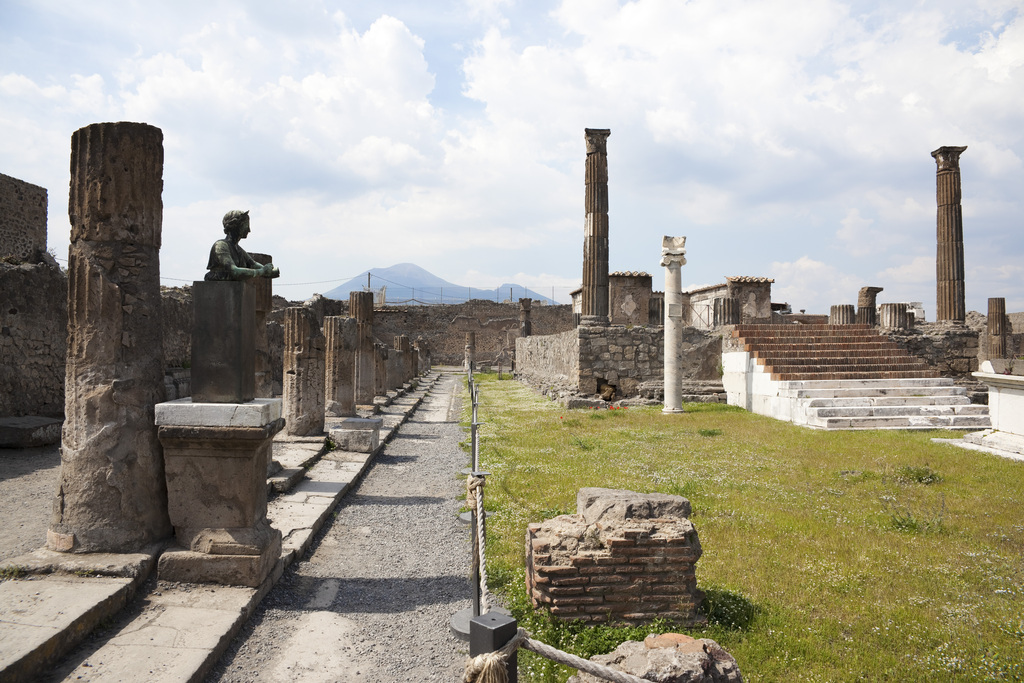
(28, 480)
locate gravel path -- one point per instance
(28, 482)
(372, 602)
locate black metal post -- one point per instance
(488, 633)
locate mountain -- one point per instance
(407, 283)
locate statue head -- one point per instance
(236, 223)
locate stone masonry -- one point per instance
(623, 558)
(303, 373)
(112, 495)
(22, 218)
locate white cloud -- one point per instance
(812, 285)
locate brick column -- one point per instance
(112, 496)
(594, 296)
(360, 307)
(949, 262)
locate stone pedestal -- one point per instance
(1005, 407)
(842, 314)
(216, 457)
(357, 434)
(223, 342)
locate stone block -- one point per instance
(188, 412)
(616, 505)
(359, 435)
(178, 564)
(29, 431)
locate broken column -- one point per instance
(673, 258)
(424, 355)
(111, 495)
(303, 386)
(842, 314)
(594, 296)
(404, 348)
(893, 316)
(339, 366)
(997, 328)
(360, 307)
(867, 313)
(525, 319)
(949, 262)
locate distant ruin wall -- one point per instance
(550, 362)
(33, 331)
(22, 218)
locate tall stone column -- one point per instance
(404, 348)
(673, 258)
(949, 261)
(997, 328)
(263, 291)
(594, 297)
(303, 386)
(525, 318)
(360, 307)
(112, 496)
(339, 366)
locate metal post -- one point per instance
(490, 632)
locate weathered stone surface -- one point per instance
(617, 505)
(997, 328)
(224, 342)
(950, 296)
(595, 227)
(112, 495)
(187, 412)
(263, 296)
(360, 306)
(842, 314)
(867, 311)
(673, 660)
(22, 218)
(339, 366)
(303, 373)
(893, 316)
(29, 431)
(33, 329)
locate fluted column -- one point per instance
(893, 316)
(949, 262)
(360, 307)
(997, 328)
(594, 297)
(842, 314)
(673, 258)
(112, 496)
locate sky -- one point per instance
(788, 139)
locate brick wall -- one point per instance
(22, 218)
(633, 571)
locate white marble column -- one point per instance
(673, 257)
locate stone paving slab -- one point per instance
(178, 634)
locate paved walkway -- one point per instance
(159, 631)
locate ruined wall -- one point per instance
(177, 312)
(22, 218)
(620, 356)
(629, 298)
(33, 332)
(549, 362)
(952, 349)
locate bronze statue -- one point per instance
(228, 261)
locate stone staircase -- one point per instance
(842, 377)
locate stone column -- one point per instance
(997, 328)
(727, 311)
(525, 321)
(867, 313)
(382, 380)
(842, 314)
(949, 262)
(470, 360)
(404, 348)
(424, 355)
(111, 495)
(595, 230)
(339, 366)
(673, 257)
(303, 386)
(360, 307)
(263, 296)
(893, 316)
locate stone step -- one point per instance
(911, 422)
(862, 401)
(821, 352)
(899, 411)
(865, 392)
(783, 344)
(835, 362)
(886, 374)
(869, 383)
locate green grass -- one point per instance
(828, 556)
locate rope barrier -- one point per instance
(475, 501)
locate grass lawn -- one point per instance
(828, 556)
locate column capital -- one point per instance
(673, 251)
(597, 140)
(948, 158)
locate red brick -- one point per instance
(570, 581)
(591, 571)
(541, 559)
(564, 610)
(605, 579)
(582, 561)
(618, 542)
(559, 570)
(559, 591)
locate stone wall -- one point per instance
(629, 296)
(33, 331)
(22, 218)
(550, 362)
(621, 356)
(951, 348)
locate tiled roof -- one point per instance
(750, 279)
(628, 273)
